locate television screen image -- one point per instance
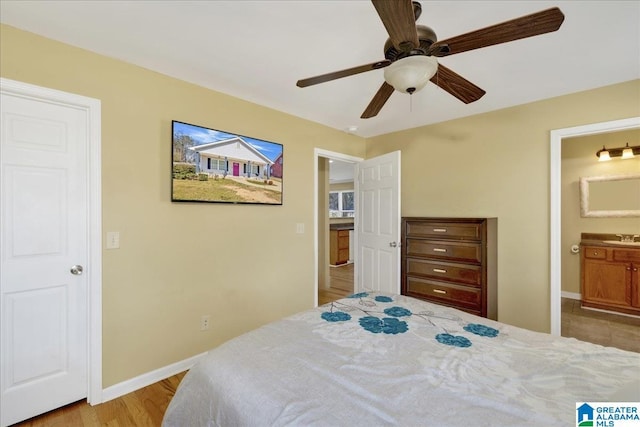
(214, 166)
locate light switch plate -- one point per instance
(113, 240)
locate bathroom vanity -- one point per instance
(610, 273)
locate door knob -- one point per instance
(76, 269)
(393, 244)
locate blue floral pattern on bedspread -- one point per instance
(368, 305)
(336, 316)
(388, 325)
(482, 330)
(454, 340)
(359, 295)
(397, 311)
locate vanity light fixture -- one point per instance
(625, 152)
(603, 155)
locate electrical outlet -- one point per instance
(204, 322)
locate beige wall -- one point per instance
(497, 165)
(579, 160)
(171, 268)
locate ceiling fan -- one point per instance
(411, 51)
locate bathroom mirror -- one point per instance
(610, 196)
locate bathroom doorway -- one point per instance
(556, 202)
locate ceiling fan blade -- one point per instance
(343, 73)
(378, 101)
(542, 22)
(457, 85)
(399, 20)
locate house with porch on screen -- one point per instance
(233, 156)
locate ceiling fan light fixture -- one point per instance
(410, 74)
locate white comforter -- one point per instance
(377, 359)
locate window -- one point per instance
(215, 164)
(341, 204)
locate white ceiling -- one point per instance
(257, 50)
(340, 171)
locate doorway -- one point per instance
(555, 194)
(343, 180)
(341, 204)
(376, 223)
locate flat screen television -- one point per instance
(214, 166)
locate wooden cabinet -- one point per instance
(338, 247)
(610, 279)
(451, 261)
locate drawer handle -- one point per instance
(439, 250)
(439, 291)
(439, 270)
(439, 230)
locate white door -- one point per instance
(44, 219)
(377, 223)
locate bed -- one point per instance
(375, 359)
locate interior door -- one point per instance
(43, 248)
(377, 224)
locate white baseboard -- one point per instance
(149, 378)
(571, 295)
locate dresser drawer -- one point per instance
(454, 295)
(439, 249)
(595, 252)
(444, 230)
(461, 273)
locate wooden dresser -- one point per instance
(610, 276)
(451, 261)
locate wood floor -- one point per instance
(340, 284)
(142, 408)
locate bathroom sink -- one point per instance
(618, 242)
